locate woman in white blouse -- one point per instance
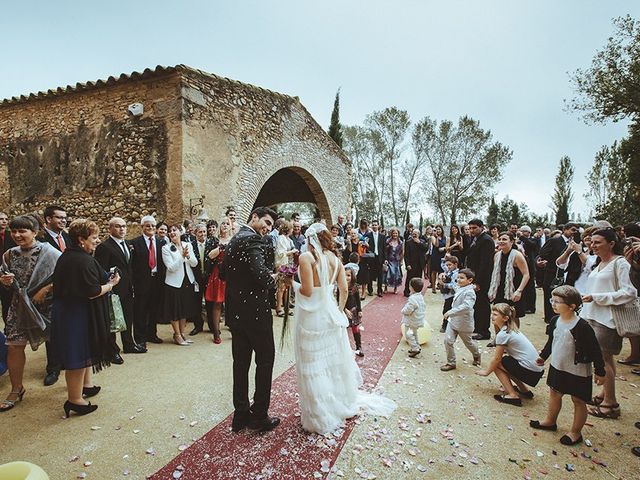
(180, 282)
(611, 270)
(585, 255)
(285, 249)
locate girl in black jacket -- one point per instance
(573, 348)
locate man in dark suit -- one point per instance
(199, 245)
(480, 260)
(6, 242)
(115, 252)
(549, 253)
(248, 315)
(415, 257)
(148, 282)
(530, 247)
(55, 219)
(377, 247)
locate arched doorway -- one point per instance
(294, 184)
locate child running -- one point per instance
(353, 308)
(461, 320)
(519, 364)
(573, 348)
(413, 314)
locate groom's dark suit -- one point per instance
(248, 315)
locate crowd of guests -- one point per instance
(66, 286)
(63, 284)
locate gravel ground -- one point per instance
(447, 424)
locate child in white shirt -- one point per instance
(413, 314)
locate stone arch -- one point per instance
(293, 184)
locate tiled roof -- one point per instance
(123, 78)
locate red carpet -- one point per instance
(288, 452)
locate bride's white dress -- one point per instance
(327, 374)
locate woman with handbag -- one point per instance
(27, 269)
(609, 291)
(80, 322)
(180, 282)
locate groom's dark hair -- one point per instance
(263, 212)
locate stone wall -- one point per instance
(199, 134)
(83, 151)
(236, 136)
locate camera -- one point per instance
(114, 271)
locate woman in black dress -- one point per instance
(510, 275)
(440, 245)
(80, 322)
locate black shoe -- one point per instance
(528, 394)
(566, 440)
(79, 409)
(51, 378)
(88, 392)
(155, 339)
(637, 424)
(636, 451)
(481, 336)
(117, 359)
(511, 401)
(195, 331)
(536, 424)
(240, 422)
(380, 294)
(264, 425)
(135, 349)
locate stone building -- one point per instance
(193, 134)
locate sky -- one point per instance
(504, 63)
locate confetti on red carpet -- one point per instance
(288, 453)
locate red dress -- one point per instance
(216, 286)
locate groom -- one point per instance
(249, 317)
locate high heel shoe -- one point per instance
(178, 340)
(79, 409)
(188, 340)
(9, 404)
(90, 391)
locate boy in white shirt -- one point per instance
(413, 314)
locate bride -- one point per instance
(327, 374)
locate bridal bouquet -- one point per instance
(285, 275)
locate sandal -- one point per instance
(567, 440)
(613, 411)
(279, 313)
(9, 404)
(597, 399)
(631, 362)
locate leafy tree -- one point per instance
(562, 193)
(610, 193)
(335, 128)
(464, 164)
(608, 90)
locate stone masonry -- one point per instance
(200, 134)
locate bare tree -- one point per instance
(464, 164)
(388, 129)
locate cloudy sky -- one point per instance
(504, 63)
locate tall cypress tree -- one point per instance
(494, 212)
(335, 128)
(562, 194)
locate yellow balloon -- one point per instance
(22, 471)
(424, 334)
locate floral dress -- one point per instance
(21, 263)
(394, 257)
